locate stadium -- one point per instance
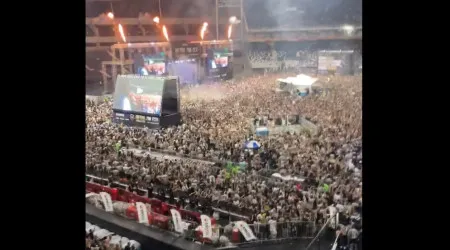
(223, 124)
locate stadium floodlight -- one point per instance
(233, 20)
(348, 28)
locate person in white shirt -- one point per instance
(126, 105)
(144, 72)
(273, 228)
(216, 215)
(337, 197)
(332, 215)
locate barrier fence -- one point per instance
(264, 232)
(284, 231)
(225, 208)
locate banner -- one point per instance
(131, 119)
(90, 195)
(176, 217)
(206, 225)
(245, 230)
(182, 50)
(107, 202)
(142, 213)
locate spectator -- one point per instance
(353, 238)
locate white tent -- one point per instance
(288, 177)
(299, 82)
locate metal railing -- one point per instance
(284, 231)
(326, 235)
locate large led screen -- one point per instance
(139, 94)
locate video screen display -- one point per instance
(153, 66)
(186, 70)
(138, 94)
(220, 61)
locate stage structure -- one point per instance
(216, 58)
(196, 61)
(205, 45)
(186, 63)
(192, 62)
(124, 56)
(147, 101)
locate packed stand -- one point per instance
(261, 56)
(295, 56)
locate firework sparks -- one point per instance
(230, 29)
(203, 30)
(166, 35)
(122, 34)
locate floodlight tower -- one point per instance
(230, 4)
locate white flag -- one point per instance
(245, 230)
(107, 202)
(206, 225)
(88, 195)
(334, 246)
(176, 217)
(335, 241)
(142, 212)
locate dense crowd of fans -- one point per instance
(263, 56)
(217, 120)
(298, 61)
(283, 60)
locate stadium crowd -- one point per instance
(282, 60)
(217, 121)
(298, 57)
(300, 61)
